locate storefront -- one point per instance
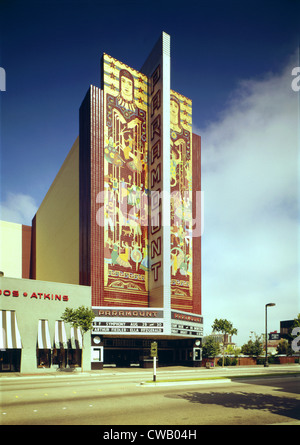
(33, 338)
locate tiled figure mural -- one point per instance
(125, 181)
(181, 202)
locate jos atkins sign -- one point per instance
(34, 295)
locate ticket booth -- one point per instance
(97, 352)
(197, 353)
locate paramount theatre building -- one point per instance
(123, 217)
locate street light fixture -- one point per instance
(266, 360)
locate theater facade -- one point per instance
(123, 216)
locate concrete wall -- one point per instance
(31, 305)
(11, 249)
(57, 226)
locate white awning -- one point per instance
(60, 335)
(9, 333)
(44, 341)
(76, 338)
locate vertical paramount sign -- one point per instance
(157, 68)
(136, 146)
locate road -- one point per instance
(129, 398)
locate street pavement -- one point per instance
(128, 396)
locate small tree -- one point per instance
(231, 350)
(81, 318)
(253, 348)
(225, 327)
(283, 347)
(211, 348)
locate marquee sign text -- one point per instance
(127, 313)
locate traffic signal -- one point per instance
(153, 349)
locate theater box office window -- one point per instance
(33, 338)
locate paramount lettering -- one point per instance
(156, 173)
(122, 313)
(185, 317)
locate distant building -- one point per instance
(285, 327)
(221, 339)
(273, 342)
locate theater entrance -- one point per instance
(126, 352)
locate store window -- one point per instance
(60, 357)
(43, 351)
(60, 352)
(10, 342)
(74, 357)
(10, 360)
(75, 349)
(43, 358)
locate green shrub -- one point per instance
(227, 361)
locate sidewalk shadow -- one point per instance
(283, 406)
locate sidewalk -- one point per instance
(166, 373)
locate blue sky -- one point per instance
(234, 60)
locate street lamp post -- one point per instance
(266, 360)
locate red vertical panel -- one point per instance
(90, 184)
(197, 279)
(97, 248)
(26, 251)
(32, 273)
(85, 191)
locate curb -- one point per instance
(186, 382)
(220, 379)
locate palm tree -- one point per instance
(225, 327)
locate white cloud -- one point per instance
(18, 208)
(250, 182)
